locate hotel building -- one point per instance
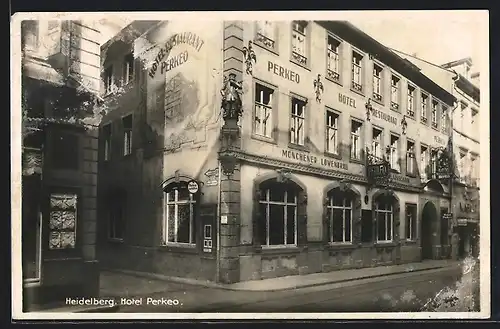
(246, 150)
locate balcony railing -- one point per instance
(394, 106)
(262, 39)
(377, 96)
(356, 86)
(302, 60)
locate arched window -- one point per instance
(179, 214)
(384, 216)
(278, 214)
(339, 212)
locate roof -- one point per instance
(467, 60)
(130, 32)
(468, 87)
(366, 43)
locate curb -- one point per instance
(209, 284)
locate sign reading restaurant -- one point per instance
(188, 38)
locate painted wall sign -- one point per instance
(384, 116)
(400, 178)
(347, 100)
(174, 62)
(283, 72)
(188, 38)
(439, 140)
(312, 159)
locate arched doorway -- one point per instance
(429, 217)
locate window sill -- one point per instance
(302, 148)
(278, 250)
(267, 48)
(264, 138)
(187, 249)
(299, 64)
(357, 161)
(340, 246)
(379, 102)
(333, 155)
(334, 81)
(361, 93)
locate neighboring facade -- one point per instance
(466, 140)
(283, 188)
(60, 75)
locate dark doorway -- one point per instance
(429, 217)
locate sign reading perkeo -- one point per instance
(193, 187)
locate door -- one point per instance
(429, 219)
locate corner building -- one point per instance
(285, 190)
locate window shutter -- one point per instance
(302, 219)
(256, 215)
(326, 233)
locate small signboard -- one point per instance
(376, 171)
(207, 238)
(193, 187)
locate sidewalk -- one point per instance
(132, 283)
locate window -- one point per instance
(339, 212)
(356, 140)
(377, 142)
(66, 144)
(278, 215)
(332, 135)
(299, 45)
(411, 102)
(461, 164)
(423, 107)
(30, 31)
(297, 121)
(108, 79)
(384, 219)
(411, 222)
(394, 92)
(116, 220)
(179, 215)
(106, 131)
(333, 59)
(377, 82)
(265, 34)
(410, 157)
(434, 114)
(128, 69)
(434, 161)
(62, 224)
(444, 120)
(127, 134)
(263, 124)
(394, 153)
(424, 159)
(357, 76)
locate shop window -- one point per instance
(384, 214)
(179, 214)
(263, 120)
(63, 221)
(278, 215)
(65, 150)
(411, 222)
(339, 213)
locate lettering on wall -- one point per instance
(347, 100)
(283, 72)
(312, 159)
(174, 62)
(400, 178)
(439, 140)
(384, 116)
(188, 38)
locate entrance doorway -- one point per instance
(429, 217)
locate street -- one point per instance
(403, 292)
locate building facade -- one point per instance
(60, 75)
(466, 140)
(255, 148)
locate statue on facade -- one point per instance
(231, 98)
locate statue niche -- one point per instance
(231, 98)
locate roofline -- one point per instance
(467, 60)
(423, 60)
(404, 67)
(468, 87)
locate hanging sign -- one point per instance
(193, 187)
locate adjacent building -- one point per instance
(60, 78)
(248, 150)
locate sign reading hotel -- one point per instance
(312, 159)
(188, 38)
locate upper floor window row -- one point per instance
(112, 77)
